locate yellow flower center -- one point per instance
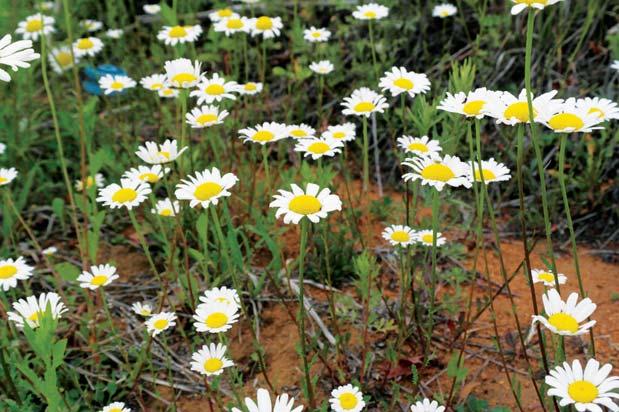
(165, 154)
(438, 172)
(216, 320)
(600, 113)
(156, 86)
(418, 147)
(263, 136)
(149, 177)
(160, 324)
(63, 59)
(316, 34)
(116, 85)
(583, 391)
(565, 121)
(403, 83)
(564, 322)
(250, 87)
(222, 300)
(264, 23)
(487, 174)
(339, 135)
(124, 195)
(98, 280)
(182, 78)
(166, 212)
(89, 182)
(168, 92)
(370, 14)
(85, 44)
(207, 190)
(298, 133)
(206, 118)
(364, 107)
(213, 365)
(400, 236)
(428, 238)
(234, 24)
(305, 204)
(177, 32)
(34, 317)
(531, 2)
(215, 89)
(518, 110)
(34, 25)
(444, 13)
(115, 410)
(473, 108)
(318, 148)
(7, 271)
(348, 401)
(144, 312)
(546, 277)
(224, 13)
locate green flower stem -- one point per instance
(302, 250)
(183, 126)
(113, 329)
(366, 156)
(373, 47)
(265, 163)
(435, 213)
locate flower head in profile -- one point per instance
(221, 14)
(129, 193)
(250, 88)
(345, 132)
(49, 251)
(115, 407)
(570, 118)
(101, 275)
(112, 84)
(438, 172)
(166, 208)
(605, 109)
(588, 390)
(215, 317)
(182, 73)
(615, 65)
(91, 25)
(426, 238)
(91, 181)
(15, 55)
(399, 80)
(153, 153)
(7, 175)
(520, 5)
(318, 147)
(509, 109)
(283, 403)
(399, 235)
(114, 33)
(142, 309)
(476, 103)
(214, 89)
(548, 278)
(2, 148)
(313, 203)
(87, 46)
(264, 133)
(233, 24)
(31, 309)
(167, 92)
(147, 174)
(564, 318)
(160, 322)
(205, 188)
(491, 171)
(61, 59)
(34, 26)
(154, 82)
(13, 270)
(420, 146)
(315, 35)
(370, 11)
(427, 406)
(210, 360)
(346, 398)
(444, 10)
(301, 131)
(221, 295)
(321, 67)
(151, 8)
(173, 35)
(266, 26)
(364, 102)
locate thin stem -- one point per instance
(366, 157)
(302, 247)
(371, 30)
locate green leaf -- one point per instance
(67, 271)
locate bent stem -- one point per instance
(302, 247)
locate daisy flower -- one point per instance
(210, 360)
(346, 398)
(472, 104)
(166, 208)
(399, 235)
(87, 46)
(50, 251)
(444, 10)
(370, 11)
(130, 193)
(214, 89)
(60, 59)
(364, 102)
(283, 403)
(46, 5)
(205, 116)
(343, 132)
(205, 188)
(215, 317)
(314, 35)
(115, 83)
(98, 276)
(570, 118)
(34, 26)
(232, 25)
(605, 109)
(114, 33)
(438, 172)
(426, 238)
(588, 390)
(91, 25)
(7, 175)
(250, 88)
(151, 8)
(615, 65)
(142, 309)
(427, 406)
(115, 407)
(97, 181)
(547, 277)
(318, 147)
(421, 146)
(167, 92)
(268, 27)
(13, 270)
(321, 67)
(15, 55)
(520, 5)
(2, 148)
(154, 82)
(301, 131)
(173, 35)
(221, 14)
(511, 110)
(221, 295)
(264, 133)
(491, 170)
(399, 80)
(312, 203)
(564, 318)
(146, 174)
(153, 153)
(31, 309)
(159, 322)
(182, 73)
